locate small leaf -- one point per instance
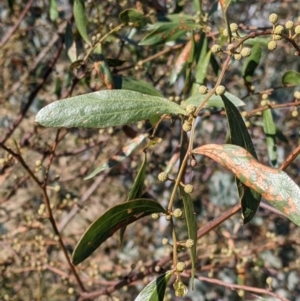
(135, 145)
(136, 190)
(111, 221)
(191, 222)
(53, 12)
(198, 6)
(291, 78)
(80, 19)
(168, 32)
(138, 85)
(133, 17)
(102, 68)
(251, 63)
(214, 101)
(155, 290)
(250, 199)
(105, 108)
(273, 184)
(270, 132)
(70, 44)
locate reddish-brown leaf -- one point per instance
(273, 184)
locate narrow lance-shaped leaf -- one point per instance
(102, 68)
(133, 146)
(104, 109)
(291, 78)
(214, 101)
(70, 44)
(80, 19)
(250, 199)
(251, 62)
(270, 132)
(133, 84)
(155, 290)
(53, 12)
(191, 222)
(136, 190)
(111, 221)
(273, 184)
(168, 32)
(133, 17)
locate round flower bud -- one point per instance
(278, 29)
(220, 90)
(163, 176)
(272, 45)
(263, 103)
(188, 188)
(247, 124)
(180, 266)
(289, 24)
(295, 113)
(177, 213)
(297, 29)
(237, 56)
(230, 47)
(265, 96)
(190, 109)
(216, 48)
(273, 18)
(225, 32)
(246, 51)
(203, 89)
(234, 27)
(277, 37)
(187, 126)
(155, 215)
(297, 94)
(189, 243)
(164, 241)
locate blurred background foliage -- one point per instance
(36, 70)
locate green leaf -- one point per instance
(191, 222)
(155, 290)
(214, 101)
(251, 63)
(80, 19)
(102, 68)
(291, 78)
(53, 12)
(270, 132)
(168, 32)
(225, 4)
(133, 146)
(105, 108)
(250, 199)
(133, 17)
(273, 184)
(138, 85)
(111, 221)
(136, 190)
(198, 6)
(70, 44)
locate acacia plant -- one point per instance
(204, 59)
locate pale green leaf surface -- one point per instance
(214, 101)
(105, 108)
(80, 19)
(291, 78)
(112, 220)
(155, 290)
(273, 184)
(133, 84)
